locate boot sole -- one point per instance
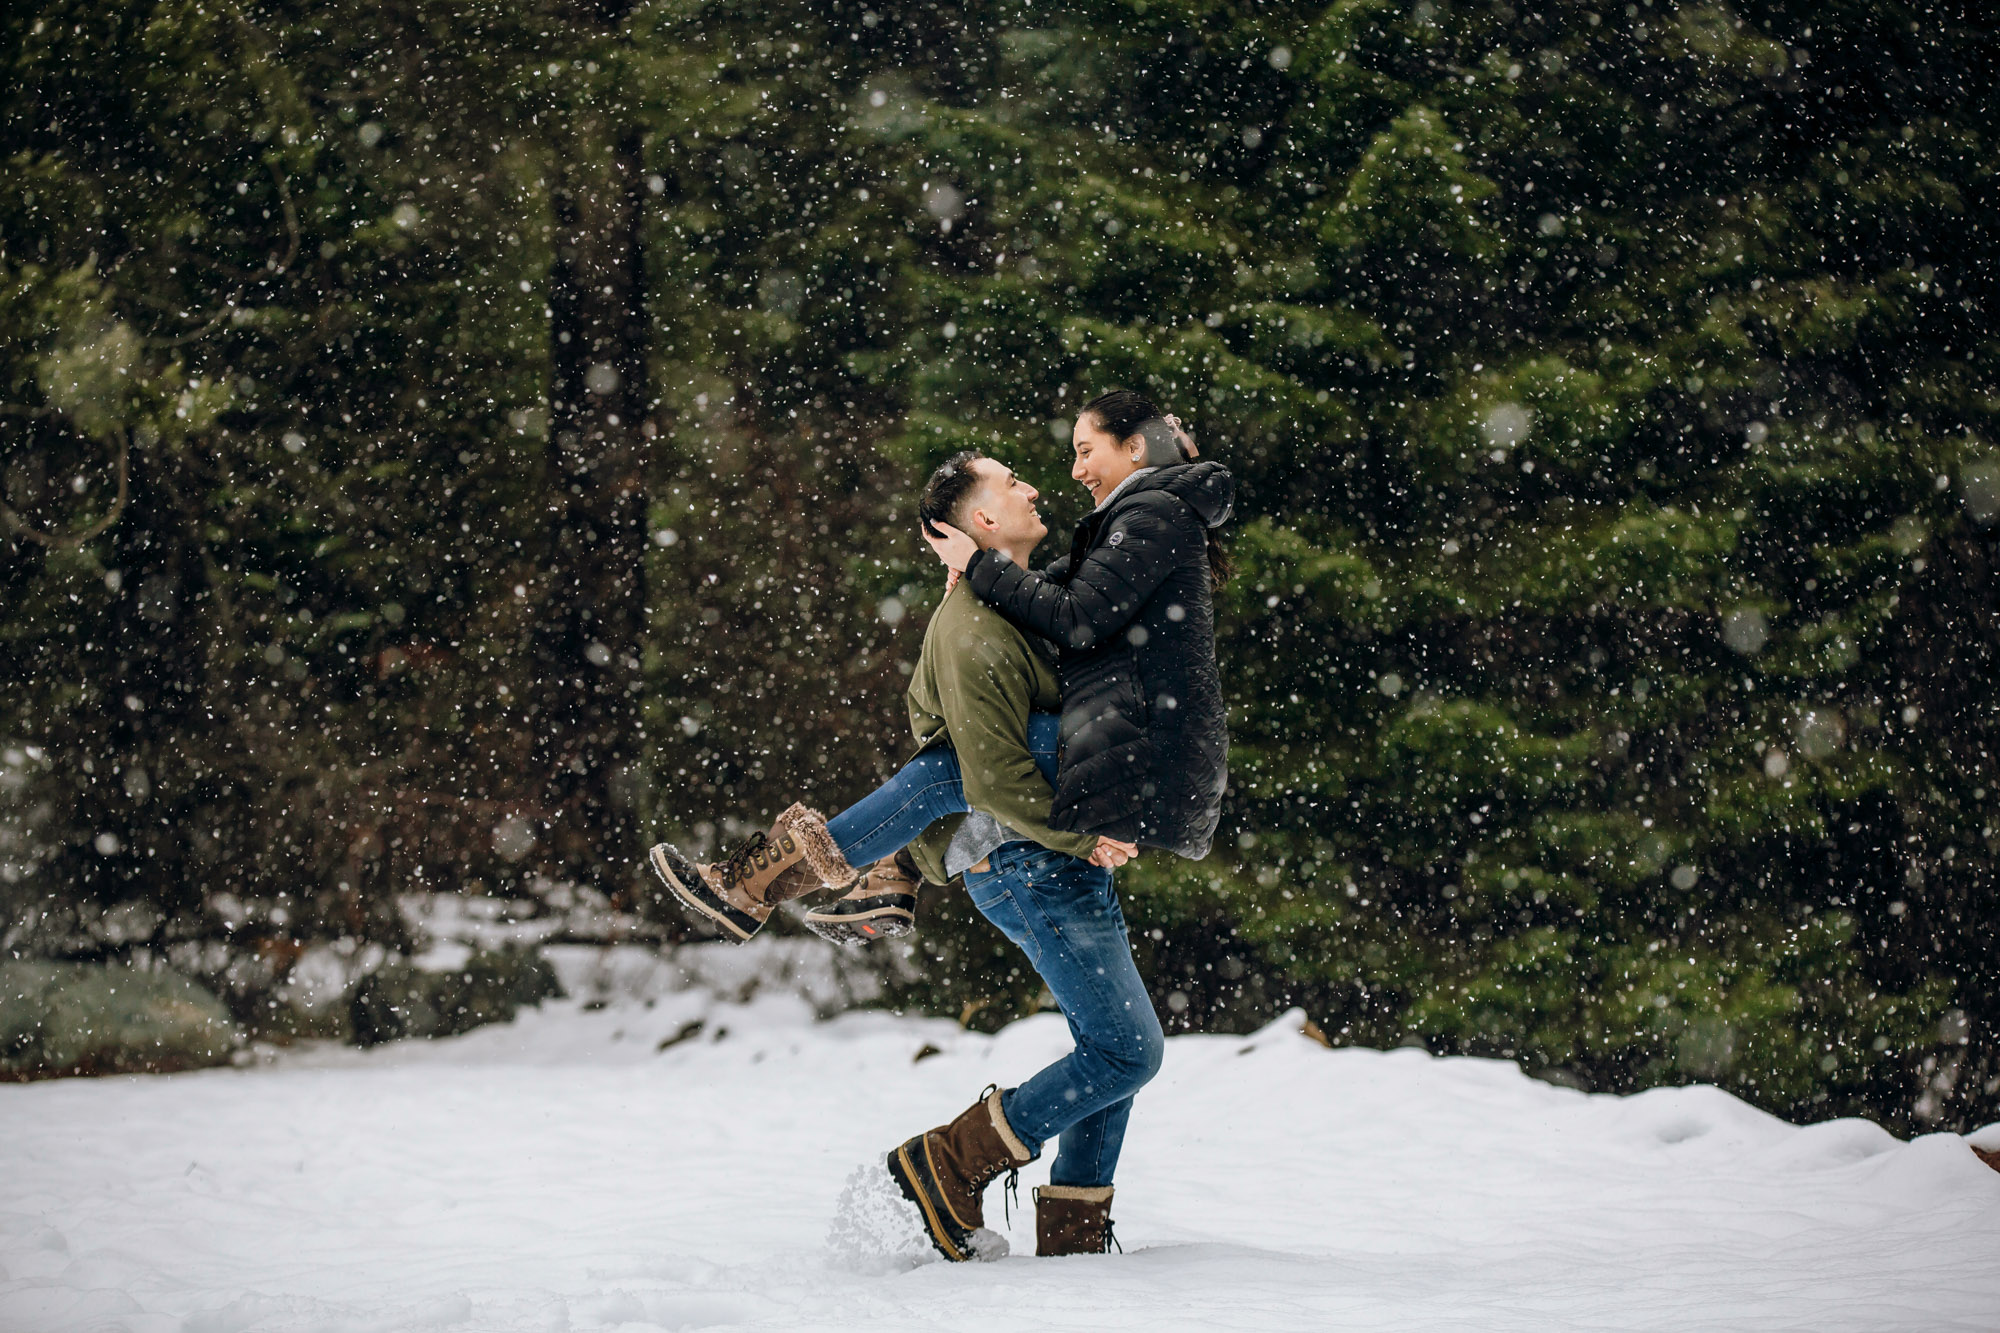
(887, 916)
(911, 1172)
(679, 875)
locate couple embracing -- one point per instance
(1064, 718)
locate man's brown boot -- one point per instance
(740, 891)
(1072, 1219)
(943, 1172)
(882, 905)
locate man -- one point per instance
(977, 681)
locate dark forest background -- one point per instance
(447, 445)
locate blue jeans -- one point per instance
(1064, 914)
(926, 790)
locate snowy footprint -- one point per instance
(876, 1230)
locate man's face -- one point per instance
(1002, 512)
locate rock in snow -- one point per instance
(59, 1018)
(565, 1172)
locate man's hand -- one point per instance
(1111, 853)
(1188, 449)
(953, 547)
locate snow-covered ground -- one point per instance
(582, 1169)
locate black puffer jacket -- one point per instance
(1132, 614)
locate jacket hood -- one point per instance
(1207, 488)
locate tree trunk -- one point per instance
(588, 643)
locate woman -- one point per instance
(1113, 730)
(1132, 614)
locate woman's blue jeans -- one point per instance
(926, 790)
(1064, 914)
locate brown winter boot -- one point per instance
(943, 1172)
(740, 891)
(882, 905)
(1072, 1219)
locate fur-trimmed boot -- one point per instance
(823, 856)
(882, 905)
(740, 891)
(1072, 1219)
(945, 1170)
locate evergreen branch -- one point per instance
(14, 523)
(213, 323)
(275, 268)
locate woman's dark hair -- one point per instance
(947, 490)
(1121, 413)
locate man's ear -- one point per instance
(980, 518)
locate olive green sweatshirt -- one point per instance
(975, 682)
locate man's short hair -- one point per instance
(946, 493)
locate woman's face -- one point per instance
(1102, 459)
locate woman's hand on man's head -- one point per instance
(952, 546)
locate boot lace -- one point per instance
(1111, 1237)
(735, 867)
(1010, 1189)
